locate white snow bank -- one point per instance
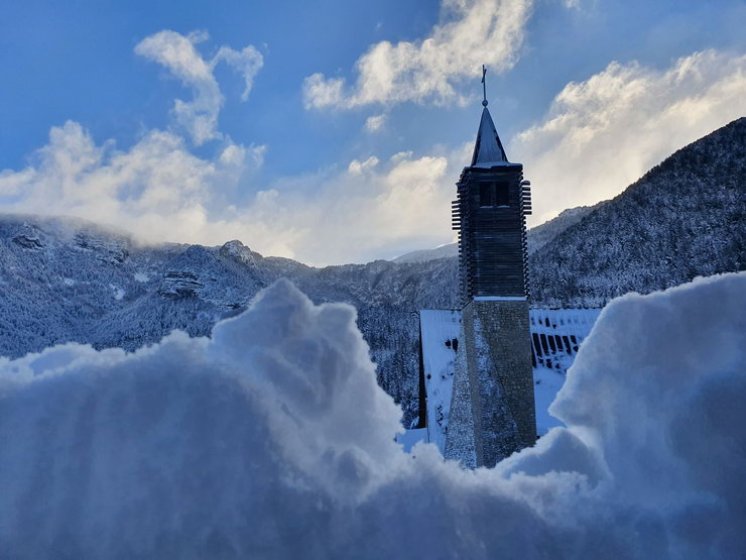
(547, 383)
(272, 440)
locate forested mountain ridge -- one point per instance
(68, 280)
(684, 218)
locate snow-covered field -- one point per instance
(273, 440)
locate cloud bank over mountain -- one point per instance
(272, 439)
(251, 132)
(604, 133)
(599, 136)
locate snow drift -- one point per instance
(272, 439)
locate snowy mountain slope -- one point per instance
(449, 250)
(685, 218)
(69, 280)
(544, 233)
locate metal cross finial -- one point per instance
(484, 85)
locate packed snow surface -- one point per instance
(271, 439)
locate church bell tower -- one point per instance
(489, 214)
(492, 411)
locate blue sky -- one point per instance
(333, 131)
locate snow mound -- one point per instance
(271, 439)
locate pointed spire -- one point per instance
(488, 150)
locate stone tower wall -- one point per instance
(498, 360)
(460, 436)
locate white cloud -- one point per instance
(602, 134)
(247, 62)
(156, 189)
(359, 167)
(160, 191)
(272, 438)
(472, 32)
(199, 117)
(372, 210)
(375, 123)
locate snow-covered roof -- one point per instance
(488, 150)
(440, 333)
